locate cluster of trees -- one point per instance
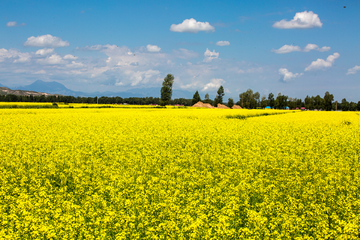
(251, 100)
(218, 99)
(101, 100)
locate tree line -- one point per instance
(251, 100)
(101, 100)
(247, 99)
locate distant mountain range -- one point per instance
(58, 88)
(8, 91)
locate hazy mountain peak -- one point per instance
(58, 88)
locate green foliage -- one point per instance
(345, 106)
(230, 103)
(281, 101)
(263, 102)
(249, 99)
(207, 96)
(271, 100)
(328, 98)
(243, 117)
(196, 98)
(207, 99)
(352, 106)
(216, 101)
(220, 95)
(166, 90)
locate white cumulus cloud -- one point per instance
(22, 57)
(213, 84)
(153, 48)
(353, 70)
(321, 63)
(141, 76)
(11, 24)
(209, 56)
(311, 46)
(288, 76)
(223, 43)
(75, 65)
(14, 55)
(70, 57)
(192, 26)
(287, 49)
(301, 20)
(307, 48)
(46, 41)
(5, 54)
(44, 51)
(53, 59)
(190, 85)
(14, 24)
(324, 49)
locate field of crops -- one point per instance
(27, 105)
(116, 173)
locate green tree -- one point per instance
(352, 106)
(299, 103)
(263, 102)
(335, 105)
(220, 95)
(358, 106)
(196, 98)
(216, 101)
(328, 99)
(318, 102)
(230, 103)
(309, 102)
(257, 99)
(207, 99)
(271, 100)
(291, 103)
(281, 101)
(345, 106)
(249, 99)
(166, 90)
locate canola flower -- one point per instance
(89, 105)
(25, 105)
(73, 105)
(178, 174)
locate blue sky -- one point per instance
(297, 48)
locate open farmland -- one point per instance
(122, 173)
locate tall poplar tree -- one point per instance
(166, 90)
(328, 99)
(220, 95)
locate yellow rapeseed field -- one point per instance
(123, 173)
